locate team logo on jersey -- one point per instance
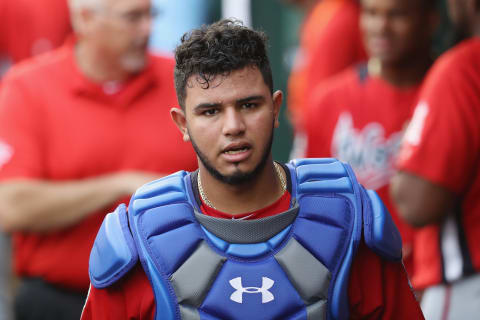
(414, 131)
(371, 155)
(6, 153)
(237, 296)
(413, 134)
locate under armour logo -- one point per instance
(237, 296)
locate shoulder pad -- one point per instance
(114, 252)
(381, 234)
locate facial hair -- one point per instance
(238, 177)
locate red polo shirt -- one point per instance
(56, 125)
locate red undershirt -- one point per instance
(281, 205)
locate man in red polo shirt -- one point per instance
(27, 28)
(438, 187)
(81, 128)
(229, 112)
(359, 115)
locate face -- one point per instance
(230, 123)
(394, 30)
(120, 30)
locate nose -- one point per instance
(146, 25)
(381, 23)
(233, 122)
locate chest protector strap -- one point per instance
(207, 268)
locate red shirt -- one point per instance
(442, 145)
(330, 41)
(30, 27)
(378, 289)
(359, 119)
(56, 125)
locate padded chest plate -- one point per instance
(293, 266)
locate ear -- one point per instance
(178, 116)
(277, 103)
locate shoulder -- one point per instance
(456, 65)
(379, 288)
(130, 298)
(161, 63)
(464, 54)
(36, 68)
(114, 252)
(340, 87)
(162, 66)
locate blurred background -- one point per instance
(29, 28)
(280, 19)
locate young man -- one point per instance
(245, 237)
(330, 42)
(66, 121)
(359, 116)
(438, 186)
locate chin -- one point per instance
(134, 64)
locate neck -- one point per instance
(405, 74)
(251, 196)
(95, 67)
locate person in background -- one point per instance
(31, 28)
(330, 42)
(27, 29)
(78, 134)
(438, 186)
(245, 237)
(359, 116)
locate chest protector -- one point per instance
(294, 265)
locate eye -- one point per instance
(210, 112)
(132, 17)
(249, 105)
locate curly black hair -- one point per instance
(219, 49)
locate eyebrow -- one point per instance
(248, 99)
(208, 105)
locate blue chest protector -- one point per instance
(294, 265)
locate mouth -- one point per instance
(236, 152)
(380, 44)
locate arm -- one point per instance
(129, 298)
(379, 289)
(439, 155)
(419, 201)
(38, 205)
(28, 200)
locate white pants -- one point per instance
(459, 300)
